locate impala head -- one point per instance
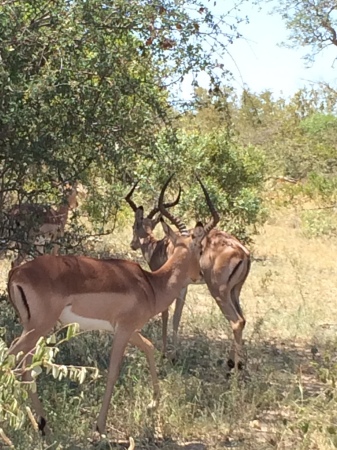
(188, 239)
(143, 226)
(69, 190)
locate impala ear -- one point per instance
(169, 232)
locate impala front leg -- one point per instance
(19, 259)
(26, 344)
(55, 239)
(164, 321)
(120, 342)
(147, 347)
(180, 302)
(37, 405)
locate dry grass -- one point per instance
(286, 397)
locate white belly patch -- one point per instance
(85, 323)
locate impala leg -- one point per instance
(55, 250)
(180, 302)
(164, 321)
(235, 296)
(37, 405)
(26, 344)
(56, 247)
(147, 347)
(237, 322)
(120, 342)
(18, 260)
(40, 249)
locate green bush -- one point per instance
(232, 174)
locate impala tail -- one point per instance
(18, 298)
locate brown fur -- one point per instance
(42, 221)
(225, 265)
(115, 291)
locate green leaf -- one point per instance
(36, 371)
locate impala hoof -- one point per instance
(152, 405)
(43, 427)
(100, 431)
(96, 437)
(231, 364)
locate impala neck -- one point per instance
(62, 213)
(148, 246)
(154, 251)
(168, 281)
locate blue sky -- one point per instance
(258, 63)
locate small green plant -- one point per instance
(14, 392)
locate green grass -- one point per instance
(285, 398)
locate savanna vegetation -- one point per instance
(87, 95)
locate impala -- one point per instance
(35, 223)
(113, 295)
(224, 263)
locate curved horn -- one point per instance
(166, 205)
(174, 220)
(128, 198)
(215, 216)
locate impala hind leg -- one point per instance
(235, 296)
(235, 317)
(26, 344)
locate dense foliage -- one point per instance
(295, 138)
(84, 92)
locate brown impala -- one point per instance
(36, 224)
(113, 295)
(224, 262)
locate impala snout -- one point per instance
(194, 280)
(195, 274)
(134, 244)
(197, 278)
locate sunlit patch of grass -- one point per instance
(319, 222)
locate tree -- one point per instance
(312, 23)
(84, 89)
(233, 175)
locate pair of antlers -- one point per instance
(162, 207)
